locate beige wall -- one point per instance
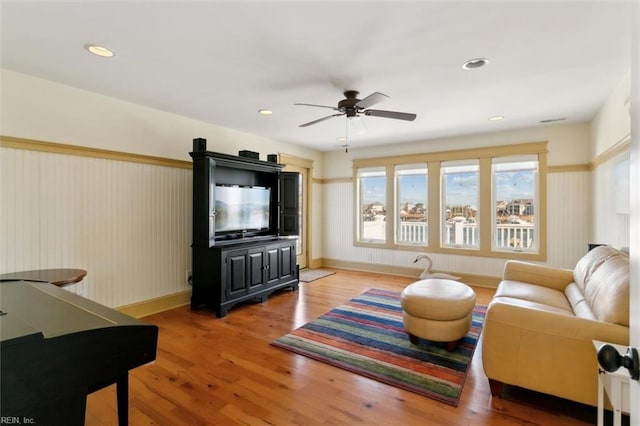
(568, 144)
(38, 109)
(581, 204)
(128, 224)
(612, 124)
(42, 110)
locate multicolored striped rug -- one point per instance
(366, 336)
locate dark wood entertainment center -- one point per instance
(243, 251)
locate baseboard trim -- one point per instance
(404, 271)
(175, 300)
(157, 304)
(314, 263)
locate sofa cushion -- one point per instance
(589, 263)
(533, 293)
(607, 291)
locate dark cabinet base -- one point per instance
(227, 274)
(223, 309)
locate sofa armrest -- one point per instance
(556, 278)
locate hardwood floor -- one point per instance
(212, 371)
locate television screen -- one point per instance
(240, 208)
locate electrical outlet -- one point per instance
(189, 277)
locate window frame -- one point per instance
(433, 161)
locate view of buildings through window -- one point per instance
(513, 193)
(373, 204)
(411, 198)
(460, 204)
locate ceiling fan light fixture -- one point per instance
(352, 107)
(101, 51)
(473, 64)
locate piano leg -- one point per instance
(122, 395)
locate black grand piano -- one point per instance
(57, 347)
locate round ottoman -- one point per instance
(438, 310)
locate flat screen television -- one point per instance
(241, 208)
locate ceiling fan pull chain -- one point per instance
(346, 135)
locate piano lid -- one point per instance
(41, 309)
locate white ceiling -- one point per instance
(222, 61)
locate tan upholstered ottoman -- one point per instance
(438, 310)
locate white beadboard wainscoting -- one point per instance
(127, 223)
(568, 222)
(569, 218)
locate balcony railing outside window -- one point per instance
(508, 236)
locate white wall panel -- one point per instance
(611, 226)
(337, 221)
(127, 224)
(568, 217)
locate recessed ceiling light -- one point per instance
(341, 139)
(496, 118)
(99, 50)
(265, 111)
(472, 64)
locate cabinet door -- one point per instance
(273, 264)
(256, 269)
(236, 266)
(287, 261)
(289, 203)
(203, 215)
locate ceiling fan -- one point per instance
(351, 106)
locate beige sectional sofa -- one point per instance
(540, 324)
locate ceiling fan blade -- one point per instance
(320, 120)
(320, 106)
(391, 114)
(372, 99)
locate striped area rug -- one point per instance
(366, 336)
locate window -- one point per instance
(515, 188)
(487, 201)
(372, 203)
(460, 204)
(411, 201)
